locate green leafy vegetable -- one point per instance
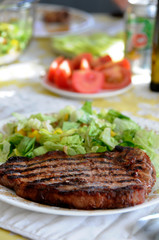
(107, 139)
(4, 150)
(98, 44)
(25, 146)
(76, 132)
(14, 36)
(70, 125)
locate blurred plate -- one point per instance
(80, 21)
(103, 94)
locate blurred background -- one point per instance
(100, 6)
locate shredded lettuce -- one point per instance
(107, 139)
(4, 150)
(75, 131)
(70, 125)
(26, 146)
(43, 117)
(98, 44)
(1, 137)
(122, 125)
(87, 107)
(39, 151)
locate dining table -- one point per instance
(21, 91)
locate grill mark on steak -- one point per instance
(56, 157)
(114, 179)
(47, 167)
(80, 184)
(61, 183)
(30, 168)
(44, 179)
(10, 163)
(61, 175)
(12, 174)
(54, 171)
(19, 168)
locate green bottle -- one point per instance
(154, 85)
(139, 26)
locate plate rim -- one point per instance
(42, 208)
(103, 94)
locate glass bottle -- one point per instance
(139, 20)
(154, 85)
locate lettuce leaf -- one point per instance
(112, 114)
(124, 124)
(4, 150)
(26, 146)
(76, 132)
(107, 139)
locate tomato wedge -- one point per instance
(124, 63)
(63, 74)
(100, 62)
(76, 62)
(87, 81)
(53, 67)
(104, 59)
(116, 78)
(86, 74)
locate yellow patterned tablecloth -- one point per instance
(5, 235)
(21, 91)
(23, 76)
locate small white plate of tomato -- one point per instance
(87, 77)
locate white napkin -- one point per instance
(40, 226)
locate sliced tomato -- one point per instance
(100, 62)
(61, 80)
(104, 59)
(84, 65)
(76, 62)
(53, 67)
(88, 75)
(63, 75)
(103, 66)
(87, 81)
(87, 56)
(124, 63)
(116, 78)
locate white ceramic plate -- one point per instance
(9, 196)
(80, 21)
(103, 94)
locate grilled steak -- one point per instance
(116, 179)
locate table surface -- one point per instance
(21, 92)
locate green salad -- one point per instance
(98, 44)
(75, 131)
(14, 36)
